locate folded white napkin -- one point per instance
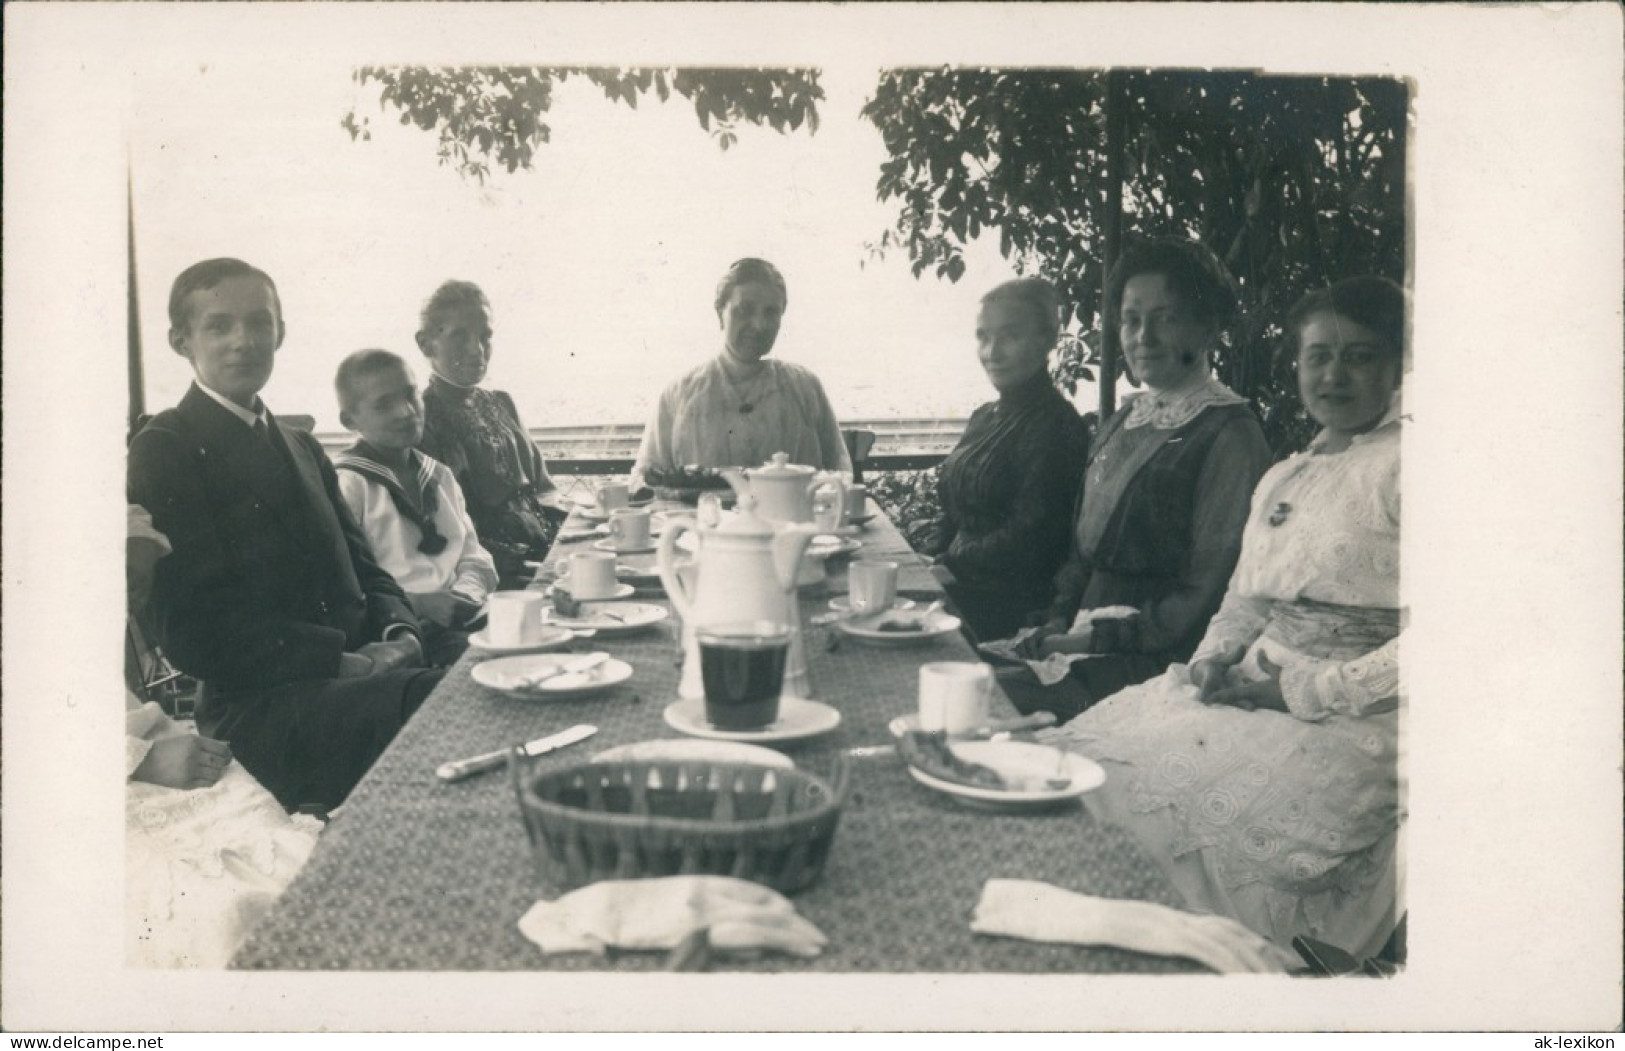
(659, 913)
(1019, 908)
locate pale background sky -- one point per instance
(1511, 549)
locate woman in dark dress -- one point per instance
(1009, 486)
(1165, 493)
(476, 432)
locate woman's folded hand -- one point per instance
(1208, 675)
(185, 761)
(1264, 694)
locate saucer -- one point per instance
(607, 544)
(621, 591)
(694, 749)
(867, 627)
(509, 675)
(797, 719)
(842, 603)
(552, 638)
(826, 545)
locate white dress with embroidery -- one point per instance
(202, 864)
(1285, 821)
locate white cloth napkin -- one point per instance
(1054, 668)
(659, 913)
(1020, 908)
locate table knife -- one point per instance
(491, 760)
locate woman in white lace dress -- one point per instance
(1264, 775)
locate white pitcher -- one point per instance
(745, 569)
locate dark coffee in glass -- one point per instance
(742, 666)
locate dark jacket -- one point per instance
(270, 580)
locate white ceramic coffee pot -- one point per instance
(745, 569)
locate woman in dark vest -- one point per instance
(1165, 492)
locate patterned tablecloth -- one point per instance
(414, 874)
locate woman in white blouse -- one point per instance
(739, 408)
(1264, 776)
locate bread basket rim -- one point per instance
(830, 805)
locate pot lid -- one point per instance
(780, 467)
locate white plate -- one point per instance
(842, 603)
(692, 749)
(1018, 760)
(633, 616)
(552, 638)
(797, 719)
(825, 545)
(509, 674)
(865, 628)
(654, 529)
(607, 544)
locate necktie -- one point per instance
(262, 432)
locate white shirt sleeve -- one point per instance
(476, 573)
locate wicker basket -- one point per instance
(638, 819)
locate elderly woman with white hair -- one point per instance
(1009, 486)
(740, 407)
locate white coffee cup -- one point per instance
(871, 586)
(629, 529)
(514, 618)
(612, 496)
(954, 696)
(592, 575)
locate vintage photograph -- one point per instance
(888, 515)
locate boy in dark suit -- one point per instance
(309, 653)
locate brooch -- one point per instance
(1278, 515)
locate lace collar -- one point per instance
(1386, 427)
(1166, 410)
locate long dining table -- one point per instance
(416, 874)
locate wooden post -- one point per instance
(138, 397)
(1116, 103)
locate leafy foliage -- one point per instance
(1294, 181)
(497, 114)
(909, 499)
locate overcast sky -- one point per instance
(601, 264)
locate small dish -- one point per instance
(686, 749)
(1041, 767)
(612, 618)
(873, 627)
(842, 603)
(552, 638)
(797, 719)
(621, 591)
(827, 545)
(512, 675)
(607, 544)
